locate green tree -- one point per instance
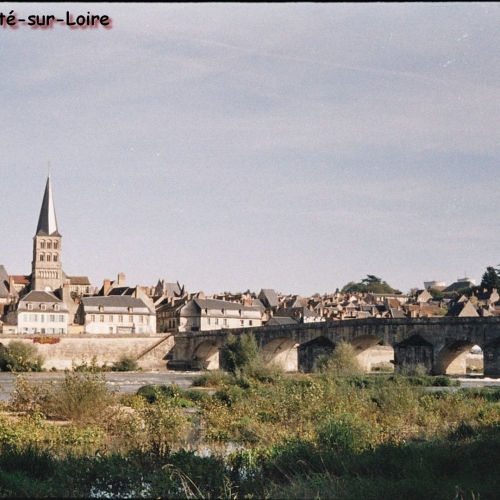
(491, 278)
(372, 284)
(19, 356)
(240, 351)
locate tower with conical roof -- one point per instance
(46, 268)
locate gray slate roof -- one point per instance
(47, 222)
(4, 283)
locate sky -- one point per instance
(294, 146)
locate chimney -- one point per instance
(106, 285)
(12, 288)
(121, 279)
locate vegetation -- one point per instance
(126, 364)
(371, 284)
(296, 436)
(20, 356)
(491, 278)
(342, 361)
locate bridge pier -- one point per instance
(491, 355)
(412, 352)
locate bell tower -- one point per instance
(46, 268)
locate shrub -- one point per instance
(19, 356)
(239, 352)
(126, 364)
(213, 378)
(342, 361)
(82, 397)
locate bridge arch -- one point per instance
(282, 351)
(452, 358)
(364, 345)
(206, 355)
(309, 351)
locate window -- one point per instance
(42, 244)
(49, 244)
(208, 321)
(30, 307)
(120, 319)
(48, 257)
(141, 319)
(55, 258)
(92, 318)
(61, 318)
(43, 307)
(242, 322)
(42, 257)
(224, 322)
(110, 319)
(101, 318)
(216, 321)
(52, 318)
(42, 318)
(33, 317)
(56, 245)
(130, 319)
(250, 322)
(56, 307)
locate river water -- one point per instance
(125, 382)
(129, 382)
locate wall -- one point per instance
(106, 348)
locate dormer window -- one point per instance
(30, 306)
(101, 309)
(56, 307)
(223, 311)
(43, 307)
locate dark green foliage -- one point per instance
(239, 352)
(371, 284)
(19, 356)
(171, 395)
(491, 278)
(126, 364)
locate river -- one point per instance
(125, 382)
(129, 382)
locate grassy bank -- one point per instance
(296, 436)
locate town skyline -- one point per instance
(296, 146)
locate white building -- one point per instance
(115, 314)
(42, 313)
(210, 314)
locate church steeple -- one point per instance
(46, 268)
(47, 222)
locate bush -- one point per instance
(342, 361)
(212, 378)
(82, 397)
(239, 352)
(126, 364)
(20, 357)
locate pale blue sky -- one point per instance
(233, 146)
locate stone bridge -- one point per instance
(441, 344)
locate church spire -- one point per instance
(47, 222)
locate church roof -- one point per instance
(47, 222)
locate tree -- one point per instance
(19, 356)
(372, 284)
(240, 351)
(491, 278)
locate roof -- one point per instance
(114, 301)
(269, 296)
(4, 282)
(20, 279)
(40, 296)
(47, 222)
(78, 280)
(281, 321)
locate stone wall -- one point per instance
(149, 349)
